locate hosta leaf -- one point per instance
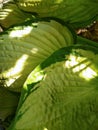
(65, 98)
(77, 12)
(10, 15)
(24, 47)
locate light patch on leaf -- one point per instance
(5, 13)
(15, 72)
(34, 50)
(81, 65)
(71, 62)
(18, 66)
(45, 129)
(88, 74)
(11, 81)
(21, 33)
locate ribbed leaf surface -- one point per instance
(22, 48)
(77, 12)
(66, 98)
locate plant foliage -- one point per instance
(48, 74)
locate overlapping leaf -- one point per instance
(23, 47)
(10, 15)
(77, 12)
(66, 97)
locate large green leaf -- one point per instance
(65, 99)
(10, 15)
(77, 12)
(24, 47)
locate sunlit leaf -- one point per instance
(10, 15)
(77, 12)
(24, 47)
(65, 98)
